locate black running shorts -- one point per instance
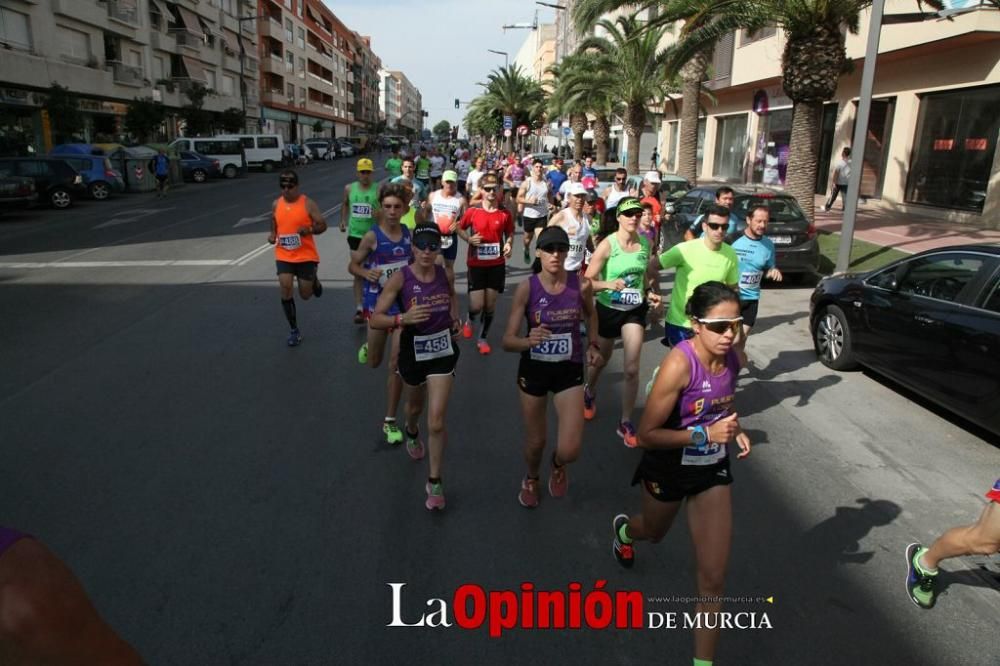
(532, 223)
(414, 372)
(487, 277)
(353, 242)
(539, 378)
(303, 270)
(672, 482)
(748, 310)
(610, 321)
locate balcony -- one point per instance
(275, 97)
(162, 41)
(87, 12)
(270, 28)
(187, 39)
(126, 11)
(273, 65)
(128, 75)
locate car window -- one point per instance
(33, 168)
(781, 209)
(267, 142)
(884, 280)
(940, 276)
(7, 169)
(992, 301)
(247, 141)
(687, 205)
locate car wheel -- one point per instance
(229, 171)
(100, 190)
(199, 176)
(832, 339)
(60, 198)
(268, 166)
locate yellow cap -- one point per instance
(365, 164)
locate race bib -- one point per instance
(290, 241)
(559, 347)
(576, 249)
(751, 279)
(361, 210)
(435, 345)
(389, 269)
(628, 298)
(588, 255)
(447, 241)
(706, 455)
(488, 251)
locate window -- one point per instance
(14, 30)
(302, 68)
(302, 38)
(747, 37)
(992, 300)
(32, 168)
(134, 58)
(730, 147)
(247, 142)
(74, 43)
(291, 93)
(675, 127)
(955, 142)
(289, 62)
(209, 79)
(158, 71)
(289, 35)
(940, 276)
(228, 84)
(267, 142)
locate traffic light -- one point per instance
(457, 103)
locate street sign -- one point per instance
(507, 132)
(567, 131)
(508, 122)
(523, 130)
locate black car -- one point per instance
(793, 236)
(930, 322)
(197, 167)
(16, 192)
(56, 182)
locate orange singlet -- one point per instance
(289, 245)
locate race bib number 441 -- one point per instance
(488, 251)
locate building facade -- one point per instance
(931, 145)
(112, 51)
(366, 85)
(410, 103)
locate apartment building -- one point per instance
(111, 51)
(931, 143)
(366, 84)
(307, 74)
(409, 102)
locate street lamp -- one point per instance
(506, 57)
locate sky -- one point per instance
(441, 45)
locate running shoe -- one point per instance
(317, 287)
(919, 584)
(294, 338)
(359, 317)
(589, 408)
(528, 497)
(363, 354)
(435, 496)
(393, 435)
(627, 432)
(483, 347)
(558, 481)
(623, 551)
(414, 447)
(467, 329)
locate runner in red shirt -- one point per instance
(489, 231)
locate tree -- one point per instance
(511, 93)
(197, 120)
(481, 119)
(442, 129)
(64, 112)
(584, 81)
(640, 75)
(232, 120)
(144, 118)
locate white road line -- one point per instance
(252, 254)
(143, 263)
(331, 211)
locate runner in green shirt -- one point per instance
(423, 164)
(697, 261)
(357, 216)
(394, 165)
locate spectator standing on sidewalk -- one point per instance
(160, 167)
(841, 176)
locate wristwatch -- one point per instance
(699, 437)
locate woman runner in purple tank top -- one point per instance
(686, 429)
(428, 306)
(554, 302)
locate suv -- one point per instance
(56, 182)
(793, 236)
(98, 176)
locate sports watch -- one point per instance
(699, 437)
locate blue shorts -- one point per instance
(450, 253)
(370, 298)
(675, 335)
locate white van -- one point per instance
(262, 150)
(228, 151)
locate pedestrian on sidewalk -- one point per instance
(841, 176)
(160, 166)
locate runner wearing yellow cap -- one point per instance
(357, 215)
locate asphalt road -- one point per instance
(227, 500)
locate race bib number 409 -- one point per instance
(626, 299)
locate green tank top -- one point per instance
(630, 267)
(410, 219)
(363, 204)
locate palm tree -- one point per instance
(481, 120)
(813, 60)
(640, 77)
(583, 83)
(511, 93)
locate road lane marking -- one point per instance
(252, 254)
(142, 263)
(129, 216)
(244, 221)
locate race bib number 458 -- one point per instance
(434, 345)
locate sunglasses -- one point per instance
(489, 189)
(554, 248)
(716, 227)
(365, 171)
(720, 326)
(636, 212)
(288, 185)
(427, 245)
(619, 180)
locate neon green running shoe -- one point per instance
(393, 435)
(919, 583)
(363, 354)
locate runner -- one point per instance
(980, 538)
(588, 170)
(417, 193)
(383, 251)
(357, 215)
(295, 219)
(556, 177)
(647, 229)
(686, 430)
(618, 190)
(423, 165)
(697, 261)
(756, 257)
(622, 276)
(724, 196)
(428, 353)
(437, 168)
(554, 302)
(489, 247)
(446, 207)
(533, 195)
(462, 168)
(159, 166)
(394, 165)
(651, 195)
(573, 177)
(576, 224)
(472, 184)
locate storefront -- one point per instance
(730, 148)
(25, 127)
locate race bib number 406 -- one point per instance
(434, 345)
(488, 251)
(558, 347)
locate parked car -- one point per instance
(100, 179)
(197, 167)
(672, 186)
(16, 192)
(229, 152)
(793, 236)
(56, 182)
(261, 150)
(321, 149)
(930, 322)
(346, 149)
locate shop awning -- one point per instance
(190, 21)
(194, 69)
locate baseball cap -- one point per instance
(449, 176)
(365, 164)
(553, 235)
(589, 182)
(628, 204)
(652, 177)
(577, 188)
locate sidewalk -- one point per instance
(906, 232)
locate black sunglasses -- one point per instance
(636, 212)
(427, 245)
(489, 189)
(715, 227)
(619, 180)
(289, 184)
(720, 326)
(554, 248)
